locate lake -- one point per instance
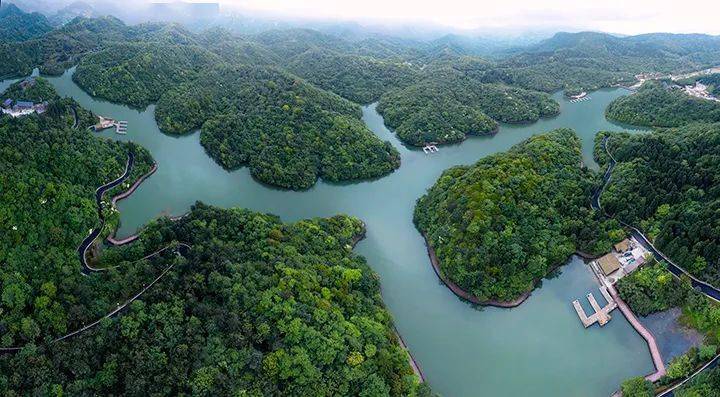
(538, 349)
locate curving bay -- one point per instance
(539, 348)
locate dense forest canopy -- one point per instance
(16, 25)
(437, 91)
(359, 78)
(706, 384)
(47, 205)
(666, 183)
(139, 73)
(288, 131)
(504, 223)
(31, 89)
(255, 307)
(448, 106)
(661, 52)
(63, 47)
(252, 307)
(657, 104)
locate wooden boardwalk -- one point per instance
(647, 335)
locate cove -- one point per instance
(538, 349)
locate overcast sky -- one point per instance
(616, 16)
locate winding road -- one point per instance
(75, 118)
(99, 192)
(181, 249)
(707, 289)
(710, 365)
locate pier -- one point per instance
(430, 149)
(585, 98)
(601, 315)
(121, 127)
(106, 122)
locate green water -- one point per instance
(539, 348)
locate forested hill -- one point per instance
(139, 73)
(16, 25)
(288, 132)
(230, 317)
(656, 104)
(504, 223)
(359, 78)
(666, 183)
(449, 105)
(588, 60)
(661, 52)
(61, 48)
(428, 92)
(47, 205)
(256, 307)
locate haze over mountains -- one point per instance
(246, 17)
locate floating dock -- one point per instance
(601, 315)
(106, 122)
(586, 98)
(430, 149)
(121, 127)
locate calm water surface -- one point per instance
(538, 349)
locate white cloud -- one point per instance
(621, 16)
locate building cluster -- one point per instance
(699, 90)
(21, 108)
(106, 122)
(627, 256)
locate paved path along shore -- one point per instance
(99, 192)
(111, 239)
(82, 249)
(94, 233)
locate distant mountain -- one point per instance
(69, 12)
(474, 46)
(291, 42)
(18, 25)
(655, 51)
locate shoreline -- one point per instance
(411, 360)
(459, 292)
(96, 231)
(121, 196)
(413, 364)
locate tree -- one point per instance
(637, 387)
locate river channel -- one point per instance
(538, 349)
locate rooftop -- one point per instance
(622, 246)
(609, 264)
